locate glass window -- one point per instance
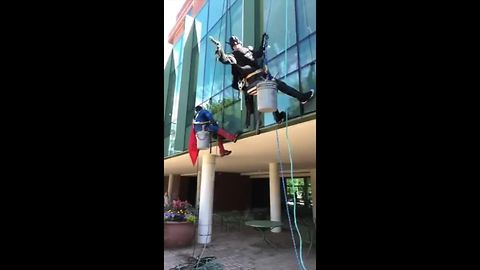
(308, 77)
(216, 107)
(202, 19)
(233, 26)
(221, 68)
(176, 95)
(234, 21)
(166, 146)
(213, 68)
(201, 71)
(307, 18)
(231, 2)
(313, 46)
(216, 10)
(277, 65)
(231, 111)
(307, 51)
(274, 19)
(188, 130)
(286, 103)
(178, 52)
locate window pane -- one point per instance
(277, 65)
(213, 67)
(308, 76)
(286, 103)
(233, 26)
(274, 19)
(187, 134)
(232, 114)
(178, 52)
(216, 107)
(313, 46)
(220, 71)
(202, 18)
(216, 10)
(307, 18)
(201, 70)
(305, 52)
(234, 21)
(178, 73)
(231, 2)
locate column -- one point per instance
(206, 199)
(275, 206)
(171, 180)
(313, 181)
(197, 197)
(173, 186)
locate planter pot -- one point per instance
(178, 234)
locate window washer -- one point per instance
(203, 120)
(247, 73)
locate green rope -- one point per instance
(294, 193)
(288, 144)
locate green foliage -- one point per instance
(191, 218)
(215, 107)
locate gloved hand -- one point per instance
(232, 60)
(264, 41)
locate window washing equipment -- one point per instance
(267, 96)
(203, 139)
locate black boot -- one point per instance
(279, 116)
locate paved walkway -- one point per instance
(245, 249)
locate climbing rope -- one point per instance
(298, 257)
(295, 192)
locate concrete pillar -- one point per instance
(173, 186)
(313, 181)
(275, 206)
(171, 179)
(206, 199)
(197, 197)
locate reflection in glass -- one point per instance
(308, 77)
(216, 9)
(307, 19)
(202, 18)
(201, 71)
(275, 25)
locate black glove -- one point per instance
(264, 41)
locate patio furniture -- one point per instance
(264, 226)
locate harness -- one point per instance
(244, 82)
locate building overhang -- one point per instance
(251, 155)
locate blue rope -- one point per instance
(295, 192)
(299, 258)
(286, 199)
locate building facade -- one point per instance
(193, 76)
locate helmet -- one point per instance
(233, 41)
(198, 108)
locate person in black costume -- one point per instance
(247, 73)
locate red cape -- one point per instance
(192, 146)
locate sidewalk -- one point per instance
(245, 249)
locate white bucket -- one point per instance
(267, 96)
(203, 140)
